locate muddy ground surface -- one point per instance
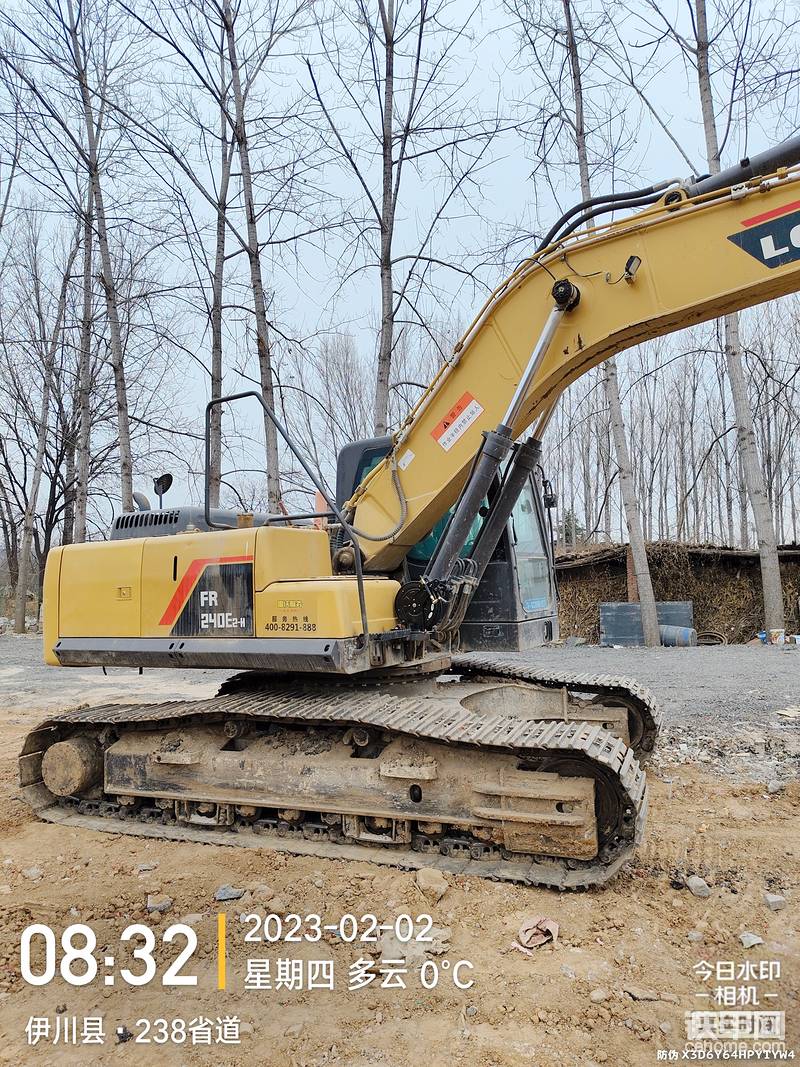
(614, 988)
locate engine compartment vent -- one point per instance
(137, 520)
(173, 521)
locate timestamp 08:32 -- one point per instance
(78, 965)
(73, 954)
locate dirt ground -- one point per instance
(613, 989)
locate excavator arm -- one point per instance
(700, 251)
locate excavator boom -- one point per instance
(676, 263)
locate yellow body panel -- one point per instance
(291, 552)
(258, 582)
(51, 604)
(166, 560)
(691, 270)
(100, 589)
(276, 552)
(325, 608)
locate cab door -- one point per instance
(533, 554)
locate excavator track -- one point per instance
(644, 712)
(319, 717)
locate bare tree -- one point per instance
(747, 57)
(84, 382)
(396, 108)
(252, 244)
(76, 28)
(38, 391)
(217, 286)
(76, 47)
(196, 38)
(748, 447)
(225, 49)
(538, 22)
(44, 342)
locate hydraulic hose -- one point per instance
(403, 511)
(641, 201)
(605, 198)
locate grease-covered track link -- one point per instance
(555, 748)
(644, 712)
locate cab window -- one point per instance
(533, 565)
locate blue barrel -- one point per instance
(678, 636)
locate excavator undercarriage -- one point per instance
(488, 769)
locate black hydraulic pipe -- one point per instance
(524, 462)
(785, 154)
(496, 446)
(641, 201)
(605, 198)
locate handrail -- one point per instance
(217, 402)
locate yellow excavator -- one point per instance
(380, 711)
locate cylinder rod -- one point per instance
(496, 446)
(785, 154)
(535, 361)
(524, 462)
(567, 296)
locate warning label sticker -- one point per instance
(457, 421)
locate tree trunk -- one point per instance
(41, 443)
(107, 276)
(10, 537)
(217, 291)
(83, 451)
(744, 527)
(633, 521)
(70, 450)
(256, 281)
(629, 501)
(608, 473)
(386, 342)
(752, 467)
(754, 480)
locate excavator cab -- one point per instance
(515, 605)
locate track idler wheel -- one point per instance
(72, 767)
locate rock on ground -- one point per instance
(433, 883)
(157, 905)
(698, 886)
(750, 940)
(774, 901)
(228, 892)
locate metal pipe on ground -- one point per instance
(678, 636)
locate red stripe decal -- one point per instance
(774, 214)
(188, 581)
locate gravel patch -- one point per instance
(715, 691)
